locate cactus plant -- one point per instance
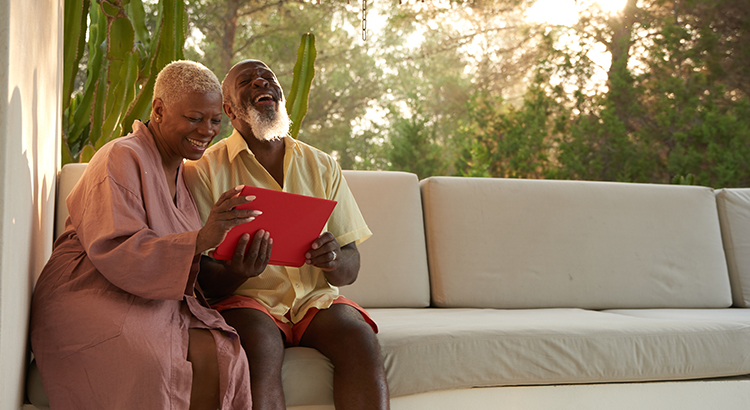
(123, 60)
(304, 71)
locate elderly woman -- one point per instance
(116, 320)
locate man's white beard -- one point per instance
(268, 126)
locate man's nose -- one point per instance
(260, 82)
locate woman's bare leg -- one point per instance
(204, 394)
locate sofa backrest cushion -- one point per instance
(734, 215)
(509, 243)
(393, 260)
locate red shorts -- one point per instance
(291, 332)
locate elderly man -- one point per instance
(286, 306)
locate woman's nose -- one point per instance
(209, 129)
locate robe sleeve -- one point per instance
(112, 224)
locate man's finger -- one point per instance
(239, 252)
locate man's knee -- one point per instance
(257, 330)
(340, 324)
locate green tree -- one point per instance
(413, 147)
(505, 141)
(358, 80)
(675, 101)
(347, 77)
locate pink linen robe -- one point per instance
(112, 307)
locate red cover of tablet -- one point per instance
(294, 222)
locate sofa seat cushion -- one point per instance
(441, 349)
(712, 315)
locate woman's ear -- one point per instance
(157, 109)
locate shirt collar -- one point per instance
(236, 144)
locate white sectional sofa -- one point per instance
(539, 294)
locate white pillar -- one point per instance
(30, 91)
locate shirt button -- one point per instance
(297, 285)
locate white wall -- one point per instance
(30, 87)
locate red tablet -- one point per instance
(294, 222)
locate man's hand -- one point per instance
(250, 261)
(340, 264)
(223, 217)
(324, 252)
(222, 278)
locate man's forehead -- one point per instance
(250, 66)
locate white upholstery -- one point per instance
(508, 243)
(69, 176)
(737, 315)
(445, 349)
(724, 394)
(515, 264)
(393, 260)
(734, 213)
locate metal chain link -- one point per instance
(364, 20)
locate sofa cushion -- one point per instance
(738, 315)
(393, 260)
(508, 243)
(67, 179)
(734, 215)
(441, 349)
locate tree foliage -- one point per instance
(473, 88)
(675, 103)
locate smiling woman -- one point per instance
(118, 294)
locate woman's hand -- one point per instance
(223, 217)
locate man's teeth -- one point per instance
(258, 98)
(198, 143)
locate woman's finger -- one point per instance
(230, 193)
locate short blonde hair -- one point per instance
(182, 77)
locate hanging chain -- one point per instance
(364, 20)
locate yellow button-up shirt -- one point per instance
(307, 171)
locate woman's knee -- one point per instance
(202, 349)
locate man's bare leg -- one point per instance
(342, 334)
(264, 346)
(204, 394)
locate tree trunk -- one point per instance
(228, 37)
(619, 79)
